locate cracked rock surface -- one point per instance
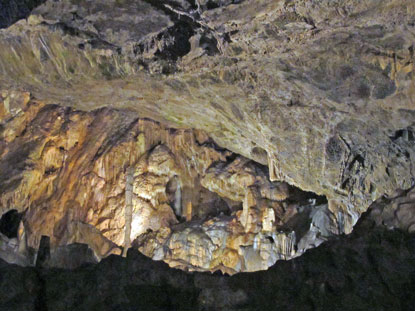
(370, 269)
(320, 91)
(236, 101)
(194, 205)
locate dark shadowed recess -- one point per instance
(13, 10)
(371, 269)
(9, 223)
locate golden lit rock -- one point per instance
(220, 125)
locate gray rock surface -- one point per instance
(323, 89)
(370, 269)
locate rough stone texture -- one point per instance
(237, 243)
(321, 90)
(371, 269)
(9, 251)
(64, 171)
(396, 212)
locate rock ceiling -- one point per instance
(225, 109)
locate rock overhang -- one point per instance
(324, 90)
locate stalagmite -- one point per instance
(43, 253)
(22, 239)
(128, 208)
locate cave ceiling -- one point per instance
(285, 95)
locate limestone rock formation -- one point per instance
(397, 212)
(69, 185)
(370, 269)
(268, 77)
(220, 107)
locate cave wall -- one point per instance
(370, 269)
(64, 171)
(320, 91)
(60, 165)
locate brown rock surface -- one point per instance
(65, 171)
(324, 89)
(321, 92)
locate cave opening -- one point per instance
(9, 223)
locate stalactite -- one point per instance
(245, 211)
(271, 167)
(291, 244)
(256, 242)
(249, 201)
(189, 209)
(128, 208)
(340, 222)
(275, 173)
(178, 197)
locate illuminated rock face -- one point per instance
(195, 205)
(320, 93)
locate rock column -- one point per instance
(128, 208)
